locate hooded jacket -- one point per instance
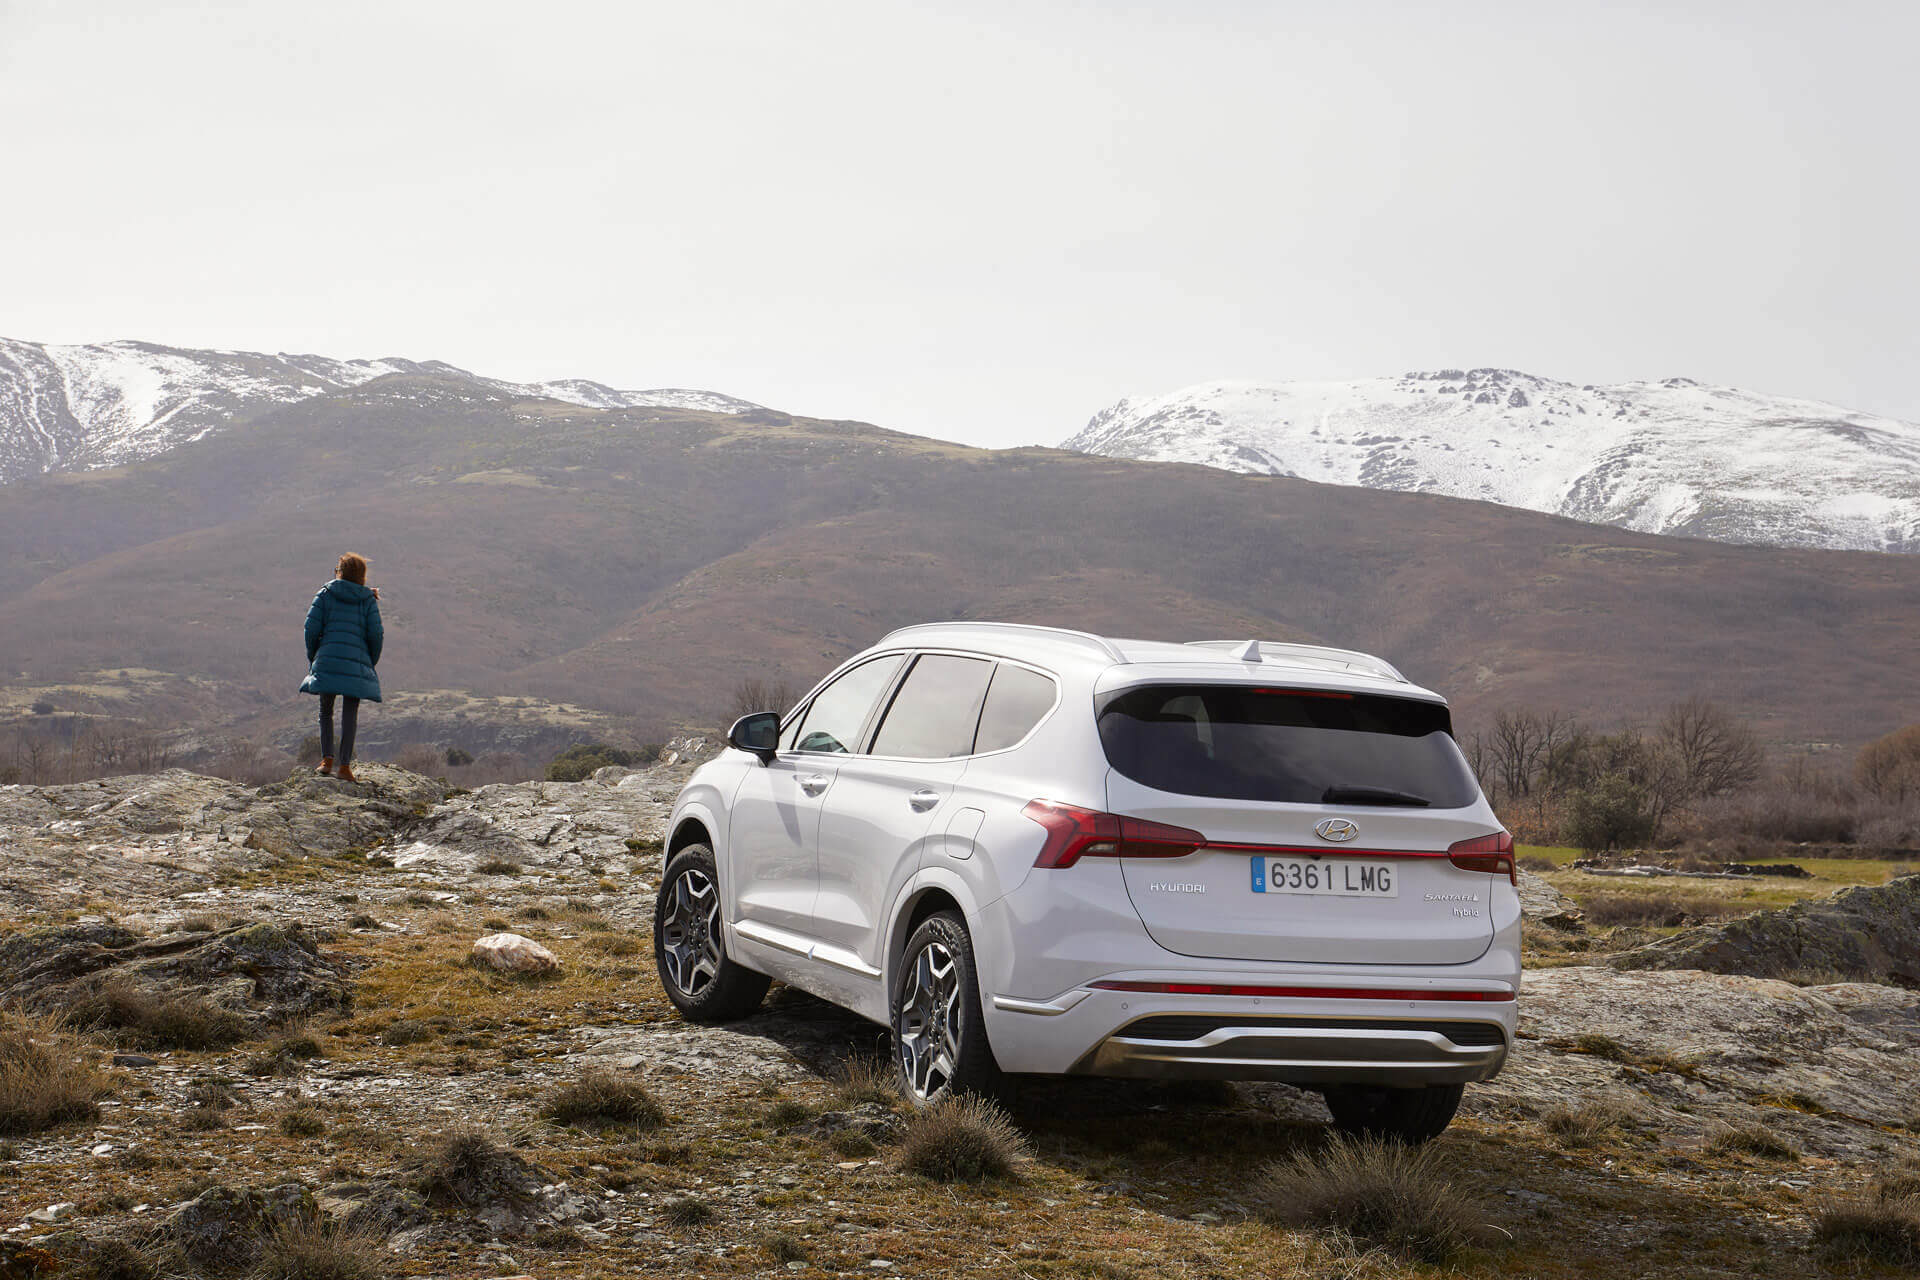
(344, 636)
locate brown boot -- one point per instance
(326, 765)
(345, 774)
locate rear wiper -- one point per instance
(1372, 795)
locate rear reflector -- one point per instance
(1301, 993)
(1074, 833)
(1493, 853)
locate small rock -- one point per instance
(851, 1164)
(511, 953)
(53, 1212)
(134, 1060)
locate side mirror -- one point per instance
(758, 733)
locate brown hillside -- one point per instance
(640, 562)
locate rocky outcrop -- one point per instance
(140, 837)
(222, 1228)
(1866, 933)
(266, 974)
(1544, 904)
(592, 827)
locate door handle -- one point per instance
(923, 800)
(814, 783)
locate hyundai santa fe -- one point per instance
(1029, 850)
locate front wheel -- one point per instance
(939, 1038)
(1399, 1115)
(688, 949)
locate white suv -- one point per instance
(1029, 850)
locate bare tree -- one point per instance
(1889, 767)
(1714, 752)
(758, 693)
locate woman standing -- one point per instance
(344, 636)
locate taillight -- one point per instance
(1074, 833)
(1492, 853)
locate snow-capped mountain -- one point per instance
(69, 408)
(1673, 456)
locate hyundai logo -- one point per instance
(1338, 830)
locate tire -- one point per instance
(940, 1044)
(689, 951)
(1399, 1115)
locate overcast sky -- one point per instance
(978, 220)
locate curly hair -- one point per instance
(353, 568)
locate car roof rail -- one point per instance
(1277, 651)
(1106, 647)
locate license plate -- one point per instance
(1328, 877)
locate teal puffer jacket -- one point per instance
(344, 636)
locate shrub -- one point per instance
(1752, 1139)
(1612, 813)
(311, 1250)
(43, 708)
(308, 751)
(602, 1098)
(578, 762)
(41, 1083)
(468, 1167)
(783, 1248)
(1383, 1193)
(151, 1019)
(498, 867)
(962, 1140)
(852, 1142)
(458, 758)
(1888, 767)
(788, 1112)
(686, 1211)
(407, 1031)
(119, 1260)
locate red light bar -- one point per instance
(1300, 993)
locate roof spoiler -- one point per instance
(1305, 655)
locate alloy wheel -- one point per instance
(927, 1025)
(689, 936)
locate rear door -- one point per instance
(887, 801)
(1327, 815)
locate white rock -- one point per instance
(511, 953)
(52, 1213)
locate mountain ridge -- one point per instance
(1674, 456)
(67, 407)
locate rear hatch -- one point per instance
(1327, 816)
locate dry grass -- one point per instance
(600, 1098)
(469, 1167)
(1588, 1124)
(1752, 1139)
(864, 1080)
(1378, 1193)
(302, 1121)
(1881, 1227)
(962, 1140)
(47, 1077)
(1662, 909)
(149, 1019)
(498, 867)
(686, 1211)
(313, 1251)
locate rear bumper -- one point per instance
(1302, 1051)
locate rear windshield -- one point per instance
(1238, 742)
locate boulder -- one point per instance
(1868, 933)
(1541, 902)
(378, 1207)
(511, 953)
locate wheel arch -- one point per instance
(928, 892)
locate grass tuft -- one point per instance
(312, 1251)
(1878, 1228)
(1386, 1194)
(686, 1211)
(1752, 1139)
(46, 1078)
(783, 1248)
(866, 1079)
(498, 867)
(1587, 1124)
(602, 1098)
(149, 1019)
(962, 1140)
(302, 1121)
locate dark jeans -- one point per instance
(349, 721)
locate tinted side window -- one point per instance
(1016, 700)
(839, 711)
(934, 714)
